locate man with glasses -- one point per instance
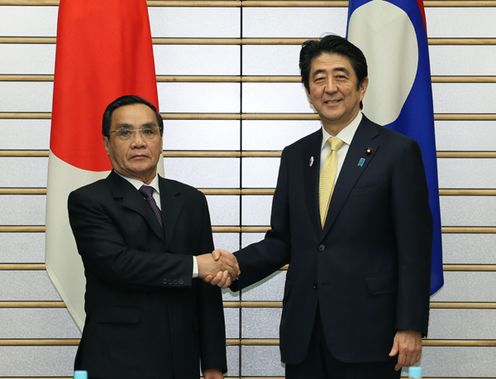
(148, 314)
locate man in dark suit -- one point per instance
(147, 315)
(350, 216)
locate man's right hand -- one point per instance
(219, 268)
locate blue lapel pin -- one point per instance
(361, 161)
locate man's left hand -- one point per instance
(212, 373)
(407, 345)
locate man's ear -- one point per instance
(309, 100)
(363, 87)
(106, 143)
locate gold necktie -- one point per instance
(327, 177)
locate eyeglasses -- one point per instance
(147, 132)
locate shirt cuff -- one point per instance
(195, 267)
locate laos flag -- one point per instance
(392, 35)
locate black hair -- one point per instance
(333, 44)
(127, 100)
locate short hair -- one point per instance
(333, 44)
(127, 100)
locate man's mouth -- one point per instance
(139, 156)
(332, 101)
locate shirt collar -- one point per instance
(346, 135)
(138, 183)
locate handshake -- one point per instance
(218, 268)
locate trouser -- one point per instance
(321, 364)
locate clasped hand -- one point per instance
(218, 268)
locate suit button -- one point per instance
(314, 286)
(321, 248)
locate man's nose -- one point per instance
(137, 139)
(330, 85)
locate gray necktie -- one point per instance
(147, 192)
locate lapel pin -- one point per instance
(361, 162)
(368, 150)
(310, 163)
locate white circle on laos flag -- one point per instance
(385, 34)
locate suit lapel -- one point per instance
(172, 205)
(130, 198)
(356, 162)
(311, 174)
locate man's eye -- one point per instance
(149, 132)
(124, 133)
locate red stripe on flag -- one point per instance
(104, 50)
(420, 4)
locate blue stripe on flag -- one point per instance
(416, 120)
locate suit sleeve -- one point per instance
(260, 259)
(413, 229)
(212, 326)
(106, 254)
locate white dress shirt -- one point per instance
(346, 135)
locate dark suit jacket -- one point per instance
(368, 271)
(145, 315)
